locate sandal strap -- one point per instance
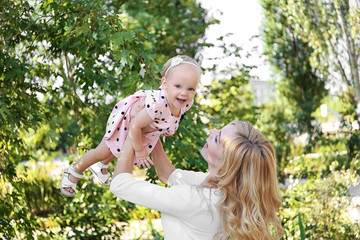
(102, 177)
(65, 182)
(102, 165)
(96, 170)
(73, 172)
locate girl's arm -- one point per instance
(163, 166)
(141, 120)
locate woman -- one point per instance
(238, 198)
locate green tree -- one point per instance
(273, 121)
(229, 99)
(68, 62)
(176, 27)
(331, 29)
(289, 55)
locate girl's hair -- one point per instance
(183, 57)
(248, 180)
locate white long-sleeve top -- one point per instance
(187, 210)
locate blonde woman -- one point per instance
(237, 199)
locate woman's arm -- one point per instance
(181, 201)
(178, 201)
(163, 166)
(124, 163)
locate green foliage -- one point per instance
(324, 207)
(16, 219)
(302, 231)
(229, 99)
(189, 138)
(289, 55)
(348, 117)
(93, 213)
(63, 66)
(273, 121)
(302, 51)
(331, 28)
(333, 103)
(174, 25)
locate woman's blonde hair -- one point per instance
(248, 180)
(183, 57)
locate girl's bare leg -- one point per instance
(100, 153)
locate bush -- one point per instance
(323, 205)
(94, 212)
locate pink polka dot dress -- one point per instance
(165, 123)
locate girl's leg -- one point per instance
(100, 153)
(109, 159)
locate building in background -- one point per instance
(262, 91)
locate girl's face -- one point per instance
(180, 86)
(212, 150)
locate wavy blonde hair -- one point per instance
(248, 180)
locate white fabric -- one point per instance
(187, 211)
(101, 177)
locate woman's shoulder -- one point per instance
(186, 177)
(192, 200)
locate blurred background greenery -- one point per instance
(64, 64)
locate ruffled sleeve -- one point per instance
(186, 177)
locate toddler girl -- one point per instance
(160, 115)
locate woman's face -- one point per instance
(212, 150)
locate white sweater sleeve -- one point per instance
(178, 200)
(180, 177)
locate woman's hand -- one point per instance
(143, 159)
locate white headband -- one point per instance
(176, 61)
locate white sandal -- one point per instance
(101, 177)
(65, 182)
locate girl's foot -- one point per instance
(69, 180)
(100, 171)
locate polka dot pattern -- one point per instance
(165, 123)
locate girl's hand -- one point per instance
(143, 159)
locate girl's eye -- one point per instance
(191, 89)
(216, 139)
(177, 86)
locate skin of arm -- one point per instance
(162, 165)
(125, 160)
(141, 120)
